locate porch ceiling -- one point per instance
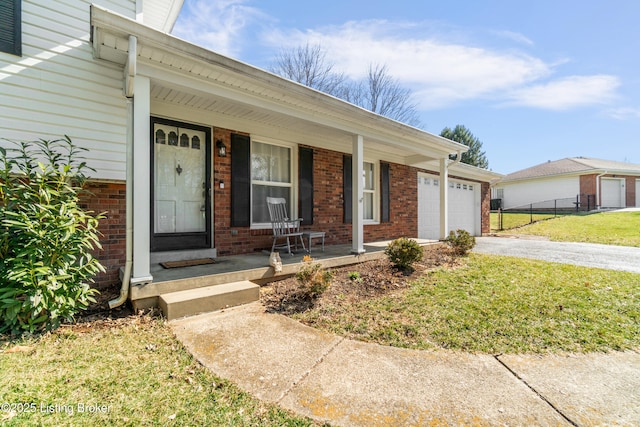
(242, 97)
(264, 122)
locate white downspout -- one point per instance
(598, 181)
(458, 158)
(130, 72)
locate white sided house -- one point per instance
(187, 144)
(576, 182)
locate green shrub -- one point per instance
(355, 276)
(461, 242)
(404, 252)
(314, 280)
(46, 238)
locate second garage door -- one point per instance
(464, 206)
(612, 193)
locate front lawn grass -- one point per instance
(511, 220)
(136, 374)
(611, 228)
(497, 305)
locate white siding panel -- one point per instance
(57, 88)
(519, 194)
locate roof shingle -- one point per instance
(573, 165)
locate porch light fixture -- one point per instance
(222, 149)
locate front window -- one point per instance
(369, 190)
(271, 172)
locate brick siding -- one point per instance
(630, 187)
(588, 187)
(109, 198)
(328, 209)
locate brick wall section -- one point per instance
(109, 198)
(403, 218)
(588, 186)
(230, 240)
(630, 187)
(485, 207)
(328, 210)
(328, 207)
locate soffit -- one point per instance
(161, 14)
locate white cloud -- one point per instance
(441, 65)
(516, 37)
(216, 25)
(439, 72)
(624, 113)
(566, 93)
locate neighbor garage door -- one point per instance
(464, 206)
(612, 193)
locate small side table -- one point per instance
(313, 234)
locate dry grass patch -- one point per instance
(121, 372)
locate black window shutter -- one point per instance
(240, 181)
(347, 189)
(11, 27)
(385, 198)
(305, 166)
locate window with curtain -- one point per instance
(270, 177)
(369, 191)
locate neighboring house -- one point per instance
(593, 183)
(199, 140)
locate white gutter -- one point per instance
(129, 74)
(598, 181)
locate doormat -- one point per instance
(187, 263)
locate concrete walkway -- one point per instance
(349, 383)
(611, 257)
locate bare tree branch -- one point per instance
(379, 92)
(307, 65)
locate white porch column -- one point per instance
(444, 198)
(141, 187)
(357, 170)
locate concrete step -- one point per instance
(210, 298)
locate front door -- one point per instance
(181, 183)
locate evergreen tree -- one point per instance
(475, 156)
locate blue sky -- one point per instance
(533, 80)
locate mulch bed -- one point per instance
(375, 278)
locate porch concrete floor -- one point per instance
(253, 266)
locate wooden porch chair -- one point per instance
(283, 227)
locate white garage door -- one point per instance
(638, 193)
(612, 194)
(464, 206)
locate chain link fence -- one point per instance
(519, 216)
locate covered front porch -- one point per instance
(344, 170)
(252, 268)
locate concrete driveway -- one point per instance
(610, 257)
